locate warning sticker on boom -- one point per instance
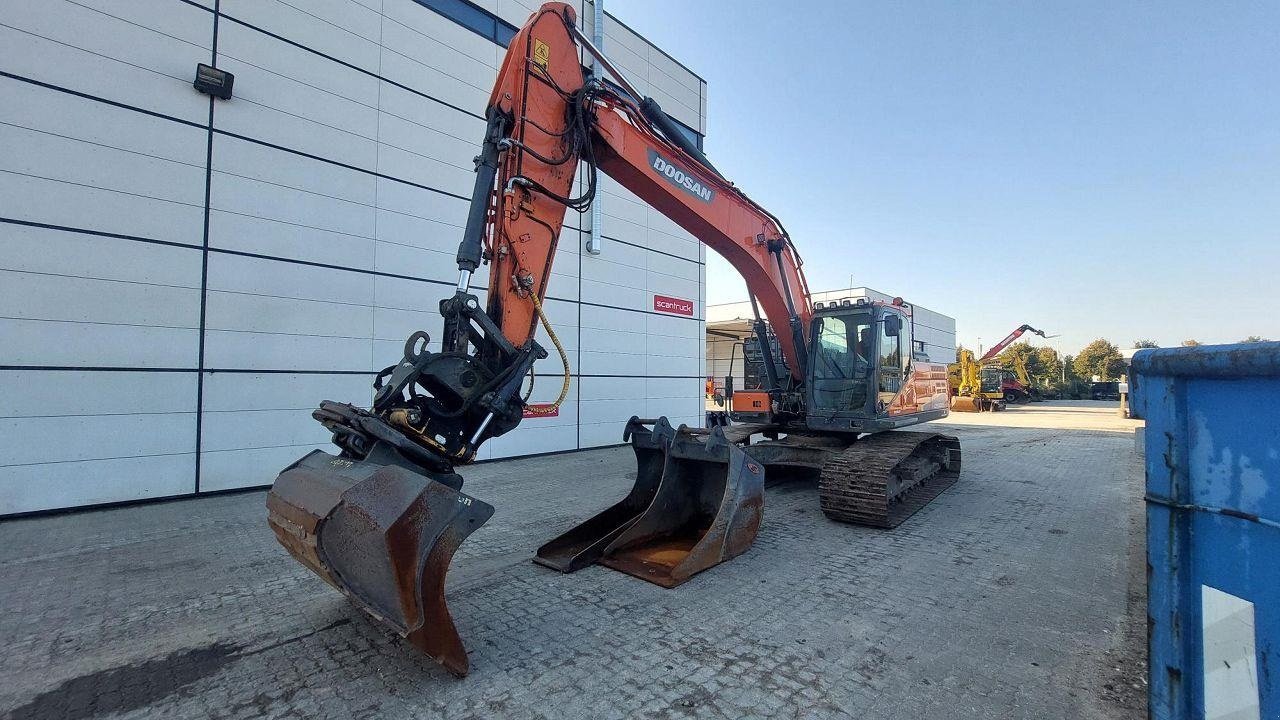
(541, 53)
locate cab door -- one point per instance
(894, 358)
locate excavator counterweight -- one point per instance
(381, 520)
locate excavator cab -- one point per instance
(991, 382)
(860, 365)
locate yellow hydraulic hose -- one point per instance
(564, 361)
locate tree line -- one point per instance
(1139, 344)
(1071, 376)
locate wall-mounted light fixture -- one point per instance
(212, 81)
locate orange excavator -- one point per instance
(381, 519)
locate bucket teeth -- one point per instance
(697, 501)
(382, 534)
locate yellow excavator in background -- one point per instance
(980, 384)
(976, 386)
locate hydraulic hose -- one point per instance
(564, 359)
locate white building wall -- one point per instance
(183, 279)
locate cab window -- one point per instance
(842, 362)
(891, 361)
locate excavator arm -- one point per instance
(545, 114)
(545, 117)
(381, 521)
(1020, 366)
(1009, 340)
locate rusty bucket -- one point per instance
(964, 403)
(584, 544)
(697, 501)
(707, 510)
(382, 534)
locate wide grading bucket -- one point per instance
(383, 534)
(585, 544)
(697, 501)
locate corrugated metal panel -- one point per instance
(1213, 529)
(240, 274)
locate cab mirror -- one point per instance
(892, 325)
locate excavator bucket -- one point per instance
(707, 510)
(585, 544)
(964, 403)
(383, 535)
(704, 508)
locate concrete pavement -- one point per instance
(1013, 595)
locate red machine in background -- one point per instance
(1015, 385)
(1009, 340)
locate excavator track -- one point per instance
(883, 479)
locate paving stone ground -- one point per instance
(1014, 595)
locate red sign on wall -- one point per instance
(674, 306)
(537, 410)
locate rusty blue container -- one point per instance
(1213, 529)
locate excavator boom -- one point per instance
(1009, 340)
(541, 98)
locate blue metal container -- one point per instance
(1213, 529)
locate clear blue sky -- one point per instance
(1092, 168)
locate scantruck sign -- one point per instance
(673, 306)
